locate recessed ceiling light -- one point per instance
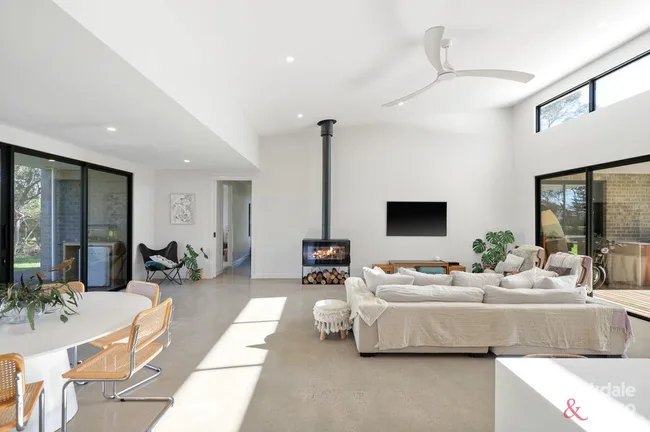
(299, 115)
(111, 129)
(51, 160)
(400, 104)
(290, 59)
(186, 160)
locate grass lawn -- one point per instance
(27, 262)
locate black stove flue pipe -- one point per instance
(327, 132)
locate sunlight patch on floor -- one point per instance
(217, 394)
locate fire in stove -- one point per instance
(331, 253)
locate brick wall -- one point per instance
(627, 206)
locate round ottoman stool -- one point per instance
(332, 316)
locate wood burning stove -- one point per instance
(317, 252)
(326, 251)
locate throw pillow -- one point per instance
(164, 261)
(556, 282)
(519, 280)
(537, 273)
(478, 280)
(512, 263)
(153, 265)
(496, 295)
(424, 279)
(561, 271)
(374, 278)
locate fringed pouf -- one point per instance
(332, 316)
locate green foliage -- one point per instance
(33, 297)
(189, 260)
(494, 249)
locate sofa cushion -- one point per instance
(512, 263)
(525, 279)
(556, 282)
(478, 280)
(498, 295)
(424, 279)
(430, 293)
(374, 278)
(519, 280)
(561, 271)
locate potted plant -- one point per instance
(194, 272)
(24, 301)
(494, 250)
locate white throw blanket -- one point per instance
(362, 302)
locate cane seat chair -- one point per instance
(120, 361)
(17, 399)
(147, 289)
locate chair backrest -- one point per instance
(151, 324)
(75, 286)
(585, 273)
(10, 365)
(170, 252)
(534, 256)
(147, 289)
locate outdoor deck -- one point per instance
(635, 301)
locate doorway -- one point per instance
(233, 235)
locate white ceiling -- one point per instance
(352, 56)
(58, 80)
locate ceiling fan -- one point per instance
(433, 45)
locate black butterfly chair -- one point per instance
(171, 253)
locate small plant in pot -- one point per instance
(194, 272)
(22, 301)
(494, 249)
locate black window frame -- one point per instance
(591, 83)
(7, 152)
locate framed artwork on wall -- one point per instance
(182, 208)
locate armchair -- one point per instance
(171, 253)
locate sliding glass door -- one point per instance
(602, 211)
(108, 227)
(47, 216)
(563, 214)
(56, 210)
(621, 214)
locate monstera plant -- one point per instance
(494, 249)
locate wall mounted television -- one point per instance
(415, 218)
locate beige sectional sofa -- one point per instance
(592, 328)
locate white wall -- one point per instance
(143, 181)
(241, 198)
(370, 166)
(612, 133)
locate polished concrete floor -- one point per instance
(245, 357)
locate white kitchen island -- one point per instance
(536, 394)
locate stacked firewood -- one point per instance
(325, 277)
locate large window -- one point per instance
(55, 209)
(624, 81)
(601, 211)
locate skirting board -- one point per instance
(275, 276)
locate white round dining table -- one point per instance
(46, 349)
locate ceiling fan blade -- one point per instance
(410, 96)
(432, 43)
(521, 77)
